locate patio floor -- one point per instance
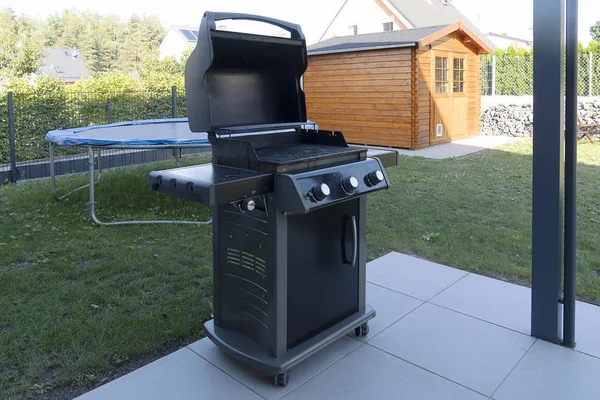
(439, 333)
(458, 148)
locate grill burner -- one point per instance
(288, 200)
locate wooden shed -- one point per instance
(407, 88)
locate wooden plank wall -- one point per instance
(425, 88)
(366, 95)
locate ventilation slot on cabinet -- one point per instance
(439, 131)
(246, 260)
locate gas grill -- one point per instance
(288, 200)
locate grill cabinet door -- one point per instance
(322, 282)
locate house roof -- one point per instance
(64, 64)
(421, 13)
(429, 13)
(190, 34)
(401, 38)
(505, 36)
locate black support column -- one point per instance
(548, 168)
(570, 176)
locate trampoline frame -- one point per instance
(93, 181)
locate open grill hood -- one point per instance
(239, 82)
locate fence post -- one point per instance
(590, 76)
(14, 175)
(173, 101)
(108, 118)
(493, 76)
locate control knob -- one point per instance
(375, 177)
(248, 205)
(320, 192)
(350, 184)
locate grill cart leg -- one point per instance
(362, 330)
(281, 379)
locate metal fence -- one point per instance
(513, 75)
(25, 118)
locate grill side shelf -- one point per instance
(211, 184)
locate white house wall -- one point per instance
(365, 13)
(504, 43)
(173, 45)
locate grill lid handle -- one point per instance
(294, 29)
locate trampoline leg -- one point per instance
(53, 175)
(175, 156)
(92, 202)
(52, 171)
(99, 165)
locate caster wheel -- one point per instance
(281, 379)
(362, 330)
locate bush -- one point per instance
(48, 105)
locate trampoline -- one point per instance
(171, 133)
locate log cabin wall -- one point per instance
(387, 97)
(365, 94)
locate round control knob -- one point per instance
(375, 177)
(350, 184)
(248, 205)
(320, 192)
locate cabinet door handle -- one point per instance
(354, 240)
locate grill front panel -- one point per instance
(243, 272)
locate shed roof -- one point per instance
(399, 38)
(377, 40)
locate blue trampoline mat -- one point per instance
(152, 132)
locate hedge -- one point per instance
(514, 75)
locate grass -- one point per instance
(77, 299)
(474, 213)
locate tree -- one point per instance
(142, 38)
(20, 49)
(595, 31)
(106, 43)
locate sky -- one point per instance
(513, 17)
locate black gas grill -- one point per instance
(288, 200)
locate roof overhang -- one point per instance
(458, 27)
(355, 49)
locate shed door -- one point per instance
(449, 98)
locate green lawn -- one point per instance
(78, 299)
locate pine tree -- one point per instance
(595, 31)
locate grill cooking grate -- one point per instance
(299, 151)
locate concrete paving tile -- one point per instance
(180, 375)
(587, 328)
(463, 349)
(551, 372)
(411, 276)
(491, 300)
(262, 383)
(390, 307)
(368, 373)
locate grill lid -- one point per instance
(245, 81)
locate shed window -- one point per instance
(458, 77)
(441, 74)
(388, 26)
